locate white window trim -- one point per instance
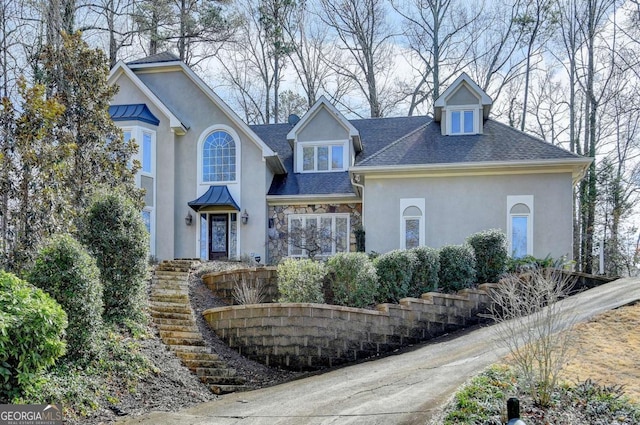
(511, 202)
(315, 144)
(333, 217)
(137, 134)
(203, 137)
(152, 227)
(404, 204)
(476, 111)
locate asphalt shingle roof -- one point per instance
(499, 142)
(157, 58)
(406, 141)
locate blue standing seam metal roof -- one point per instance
(214, 196)
(133, 112)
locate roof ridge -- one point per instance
(536, 138)
(395, 142)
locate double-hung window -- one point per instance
(318, 235)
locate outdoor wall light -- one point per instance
(188, 219)
(244, 217)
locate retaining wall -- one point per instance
(302, 336)
(222, 283)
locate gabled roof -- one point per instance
(323, 102)
(121, 68)
(499, 147)
(484, 99)
(134, 112)
(157, 58)
(376, 134)
(215, 196)
(167, 60)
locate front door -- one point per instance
(218, 236)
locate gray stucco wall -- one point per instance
(456, 207)
(322, 127)
(164, 209)
(463, 96)
(178, 168)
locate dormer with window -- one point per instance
(323, 141)
(462, 108)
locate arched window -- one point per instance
(218, 157)
(520, 225)
(412, 223)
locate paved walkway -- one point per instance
(402, 389)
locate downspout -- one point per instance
(361, 186)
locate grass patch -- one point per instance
(84, 387)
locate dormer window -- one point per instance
(462, 122)
(321, 157)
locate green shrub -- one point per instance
(490, 250)
(425, 272)
(395, 271)
(65, 270)
(113, 231)
(32, 328)
(300, 281)
(353, 279)
(457, 267)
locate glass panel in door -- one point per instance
(218, 236)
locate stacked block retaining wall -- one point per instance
(222, 283)
(304, 336)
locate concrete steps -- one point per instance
(171, 311)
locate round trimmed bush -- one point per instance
(32, 328)
(114, 232)
(457, 267)
(490, 250)
(425, 272)
(65, 270)
(395, 271)
(353, 279)
(300, 281)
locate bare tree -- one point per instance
(528, 320)
(434, 30)
(536, 23)
(362, 31)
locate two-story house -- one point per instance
(219, 188)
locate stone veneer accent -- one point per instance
(222, 283)
(303, 336)
(278, 247)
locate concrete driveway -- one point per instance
(401, 389)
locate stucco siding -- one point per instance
(463, 96)
(322, 127)
(456, 207)
(165, 179)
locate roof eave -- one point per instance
(338, 198)
(577, 166)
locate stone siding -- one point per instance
(222, 283)
(302, 336)
(278, 247)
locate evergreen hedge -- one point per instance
(300, 281)
(425, 272)
(32, 328)
(65, 270)
(114, 232)
(457, 267)
(395, 273)
(353, 279)
(490, 250)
